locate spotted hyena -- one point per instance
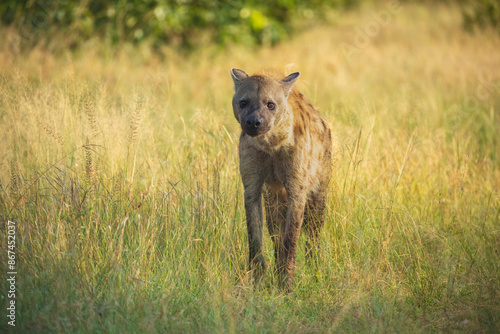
(285, 154)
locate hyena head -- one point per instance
(260, 102)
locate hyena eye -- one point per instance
(243, 104)
(270, 105)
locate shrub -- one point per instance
(484, 13)
(184, 23)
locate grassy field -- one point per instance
(121, 174)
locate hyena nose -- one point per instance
(253, 121)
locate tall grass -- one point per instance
(121, 174)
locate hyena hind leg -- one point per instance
(314, 219)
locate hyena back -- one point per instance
(285, 154)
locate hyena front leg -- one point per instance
(276, 207)
(253, 210)
(290, 238)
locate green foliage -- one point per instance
(484, 13)
(182, 22)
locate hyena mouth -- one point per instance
(255, 132)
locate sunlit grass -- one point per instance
(121, 173)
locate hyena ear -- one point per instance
(288, 82)
(238, 76)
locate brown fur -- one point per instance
(286, 155)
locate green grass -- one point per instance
(121, 173)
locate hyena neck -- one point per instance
(280, 137)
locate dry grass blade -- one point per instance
(53, 133)
(118, 186)
(15, 180)
(89, 166)
(90, 111)
(135, 121)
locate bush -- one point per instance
(484, 13)
(181, 22)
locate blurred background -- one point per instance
(189, 24)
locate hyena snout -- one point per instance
(253, 121)
(254, 125)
